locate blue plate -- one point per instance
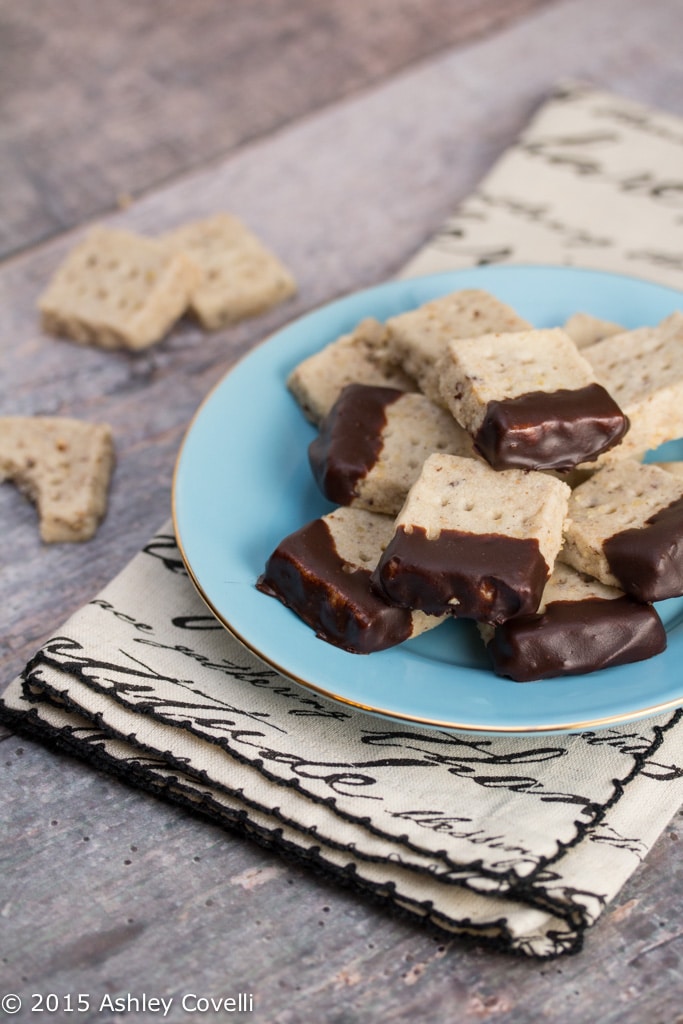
(243, 482)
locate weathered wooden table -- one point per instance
(343, 133)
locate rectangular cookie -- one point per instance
(626, 529)
(585, 329)
(418, 338)
(64, 466)
(322, 572)
(643, 371)
(240, 276)
(373, 442)
(529, 400)
(474, 542)
(581, 626)
(118, 290)
(360, 357)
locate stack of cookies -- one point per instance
(451, 438)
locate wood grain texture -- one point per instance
(99, 101)
(105, 889)
(130, 895)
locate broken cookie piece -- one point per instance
(473, 542)
(626, 529)
(240, 277)
(418, 338)
(64, 466)
(118, 290)
(322, 572)
(373, 442)
(361, 357)
(529, 400)
(581, 625)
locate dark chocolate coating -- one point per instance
(350, 440)
(492, 576)
(648, 561)
(306, 574)
(574, 637)
(550, 430)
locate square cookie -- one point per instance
(529, 400)
(626, 529)
(373, 442)
(322, 572)
(474, 542)
(360, 357)
(643, 371)
(581, 626)
(240, 277)
(418, 338)
(64, 466)
(118, 290)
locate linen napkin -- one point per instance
(519, 841)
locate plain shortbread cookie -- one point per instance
(417, 338)
(240, 277)
(117, 289)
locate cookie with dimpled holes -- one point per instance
(474, 542)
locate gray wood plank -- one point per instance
(345, 200)
(98, 101)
